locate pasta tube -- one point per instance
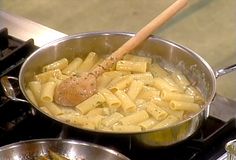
(120, 83)
(128, 106)
(99, 61)
(59, 64)
(146, 78)
(105, 78)
(45, 76)
(112, 119)
(103, 81)
(180, 79)
(161, 84)
(72, 66)
(176, 96)
(148, 124)
(157, 70)
(82, 121)
(90, 103)
(134, 89)
(98, 111)
(53, 108)
(171, 82)
(78, 120)
(89, 61)
(136, 58)
(35, 87)
(186, 106)
(47, 91)
(31, 96)
(113, 102)
(132, 66)
(158, 113)
(96, 120)
(134, 118)
(165, 106)
(198, 98)
(166, 122)
(46, 110)
(148, 93)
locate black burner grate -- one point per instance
(13, 52)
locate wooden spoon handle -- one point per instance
(139, 37)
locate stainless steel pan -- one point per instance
(74, 150)
(191, 64)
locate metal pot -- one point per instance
(191, 64)
(30, 149)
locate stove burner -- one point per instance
(13, 51)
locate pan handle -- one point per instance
(9, 90)
(225, 70)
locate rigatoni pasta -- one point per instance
(147, 93)
(166, 107)
(154, 110)
(186, 106)
(35, 88)
(162, 84)
(120, 83)
(113, 102)
(88, 63)
(107, 77)
(134, 118)
(134, 89)
(136, 95)
(157, 70)
(45, 76)
(146, 78)
(136, 58)
(132, 66)
(72, 66)
(31, 96)
(166, 95)
(90, 103)
(112, 119)
(60, 64)
(47, 91)
(147, 124)
(98, 111)
(53, 108)
(127, 105)
(166, 122)
(180, 79)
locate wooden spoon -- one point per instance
(76, 89)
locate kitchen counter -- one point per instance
(207, 27)
(25, 29)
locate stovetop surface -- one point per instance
(18, 122)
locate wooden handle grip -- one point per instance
(140, 36)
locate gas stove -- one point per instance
(19, 122)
